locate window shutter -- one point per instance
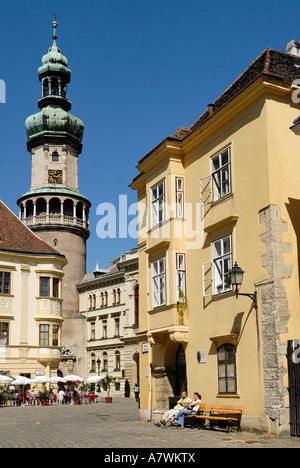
(208, 282)
(205, 190)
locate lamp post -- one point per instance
(236, 276)
(98, 364)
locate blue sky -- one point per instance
(141, 69)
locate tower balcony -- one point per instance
(55, 212)
(55, 219)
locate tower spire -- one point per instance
(54, 25)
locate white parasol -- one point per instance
(41, 379)
(21, 380)
(5, 378)
(73, 378)
(94, 379)
(57, 380)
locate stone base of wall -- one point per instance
(265, 425)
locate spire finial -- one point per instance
(54, 25)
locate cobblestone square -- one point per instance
(116, 425)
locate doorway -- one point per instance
(180, 372)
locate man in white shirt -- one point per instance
(61, 395)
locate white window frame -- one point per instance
(159, 282)
(215, 271)
(222, 263)
(221, 175)
(179, 197)
(180, 277)
(158, 203)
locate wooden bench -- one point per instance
(199, 413)
(231, 415)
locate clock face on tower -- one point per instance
(55, 177)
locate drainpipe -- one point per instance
(150, 389)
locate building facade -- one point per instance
(54, 207)
(109, 299)
(223, 190)
(31, 276)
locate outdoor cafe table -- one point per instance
(90, 397)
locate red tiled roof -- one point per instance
(16, 237)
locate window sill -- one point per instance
(222, 199)
(223, 295)
(50, 298)
(229, 395)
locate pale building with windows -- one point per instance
(225, 189)
(31, 274)
(109, 299)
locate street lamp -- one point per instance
(236, 277)
(98, 364)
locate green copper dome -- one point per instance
(54, 121)
(54, 118)
(54, 61)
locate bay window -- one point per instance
(180, 277)
(158, 208)
(159, 282)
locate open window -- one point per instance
(215, 272)
(218, 184)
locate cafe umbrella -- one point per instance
(21, 380)
(5, 379)
(73, 378)
(41, 379)
(57, 380)
(94, 379)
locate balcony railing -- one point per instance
(55, 219)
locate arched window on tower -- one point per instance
(55, 156)
(54, 87)
(79, 210)
(68, 208)
(54, 207)
(41, 207)
(45, 88)
(29, 209)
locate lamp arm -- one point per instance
(252, 296)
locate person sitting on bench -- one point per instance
(192, 408)
(169, 415)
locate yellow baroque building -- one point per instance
(224, 190)
(31, 275)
